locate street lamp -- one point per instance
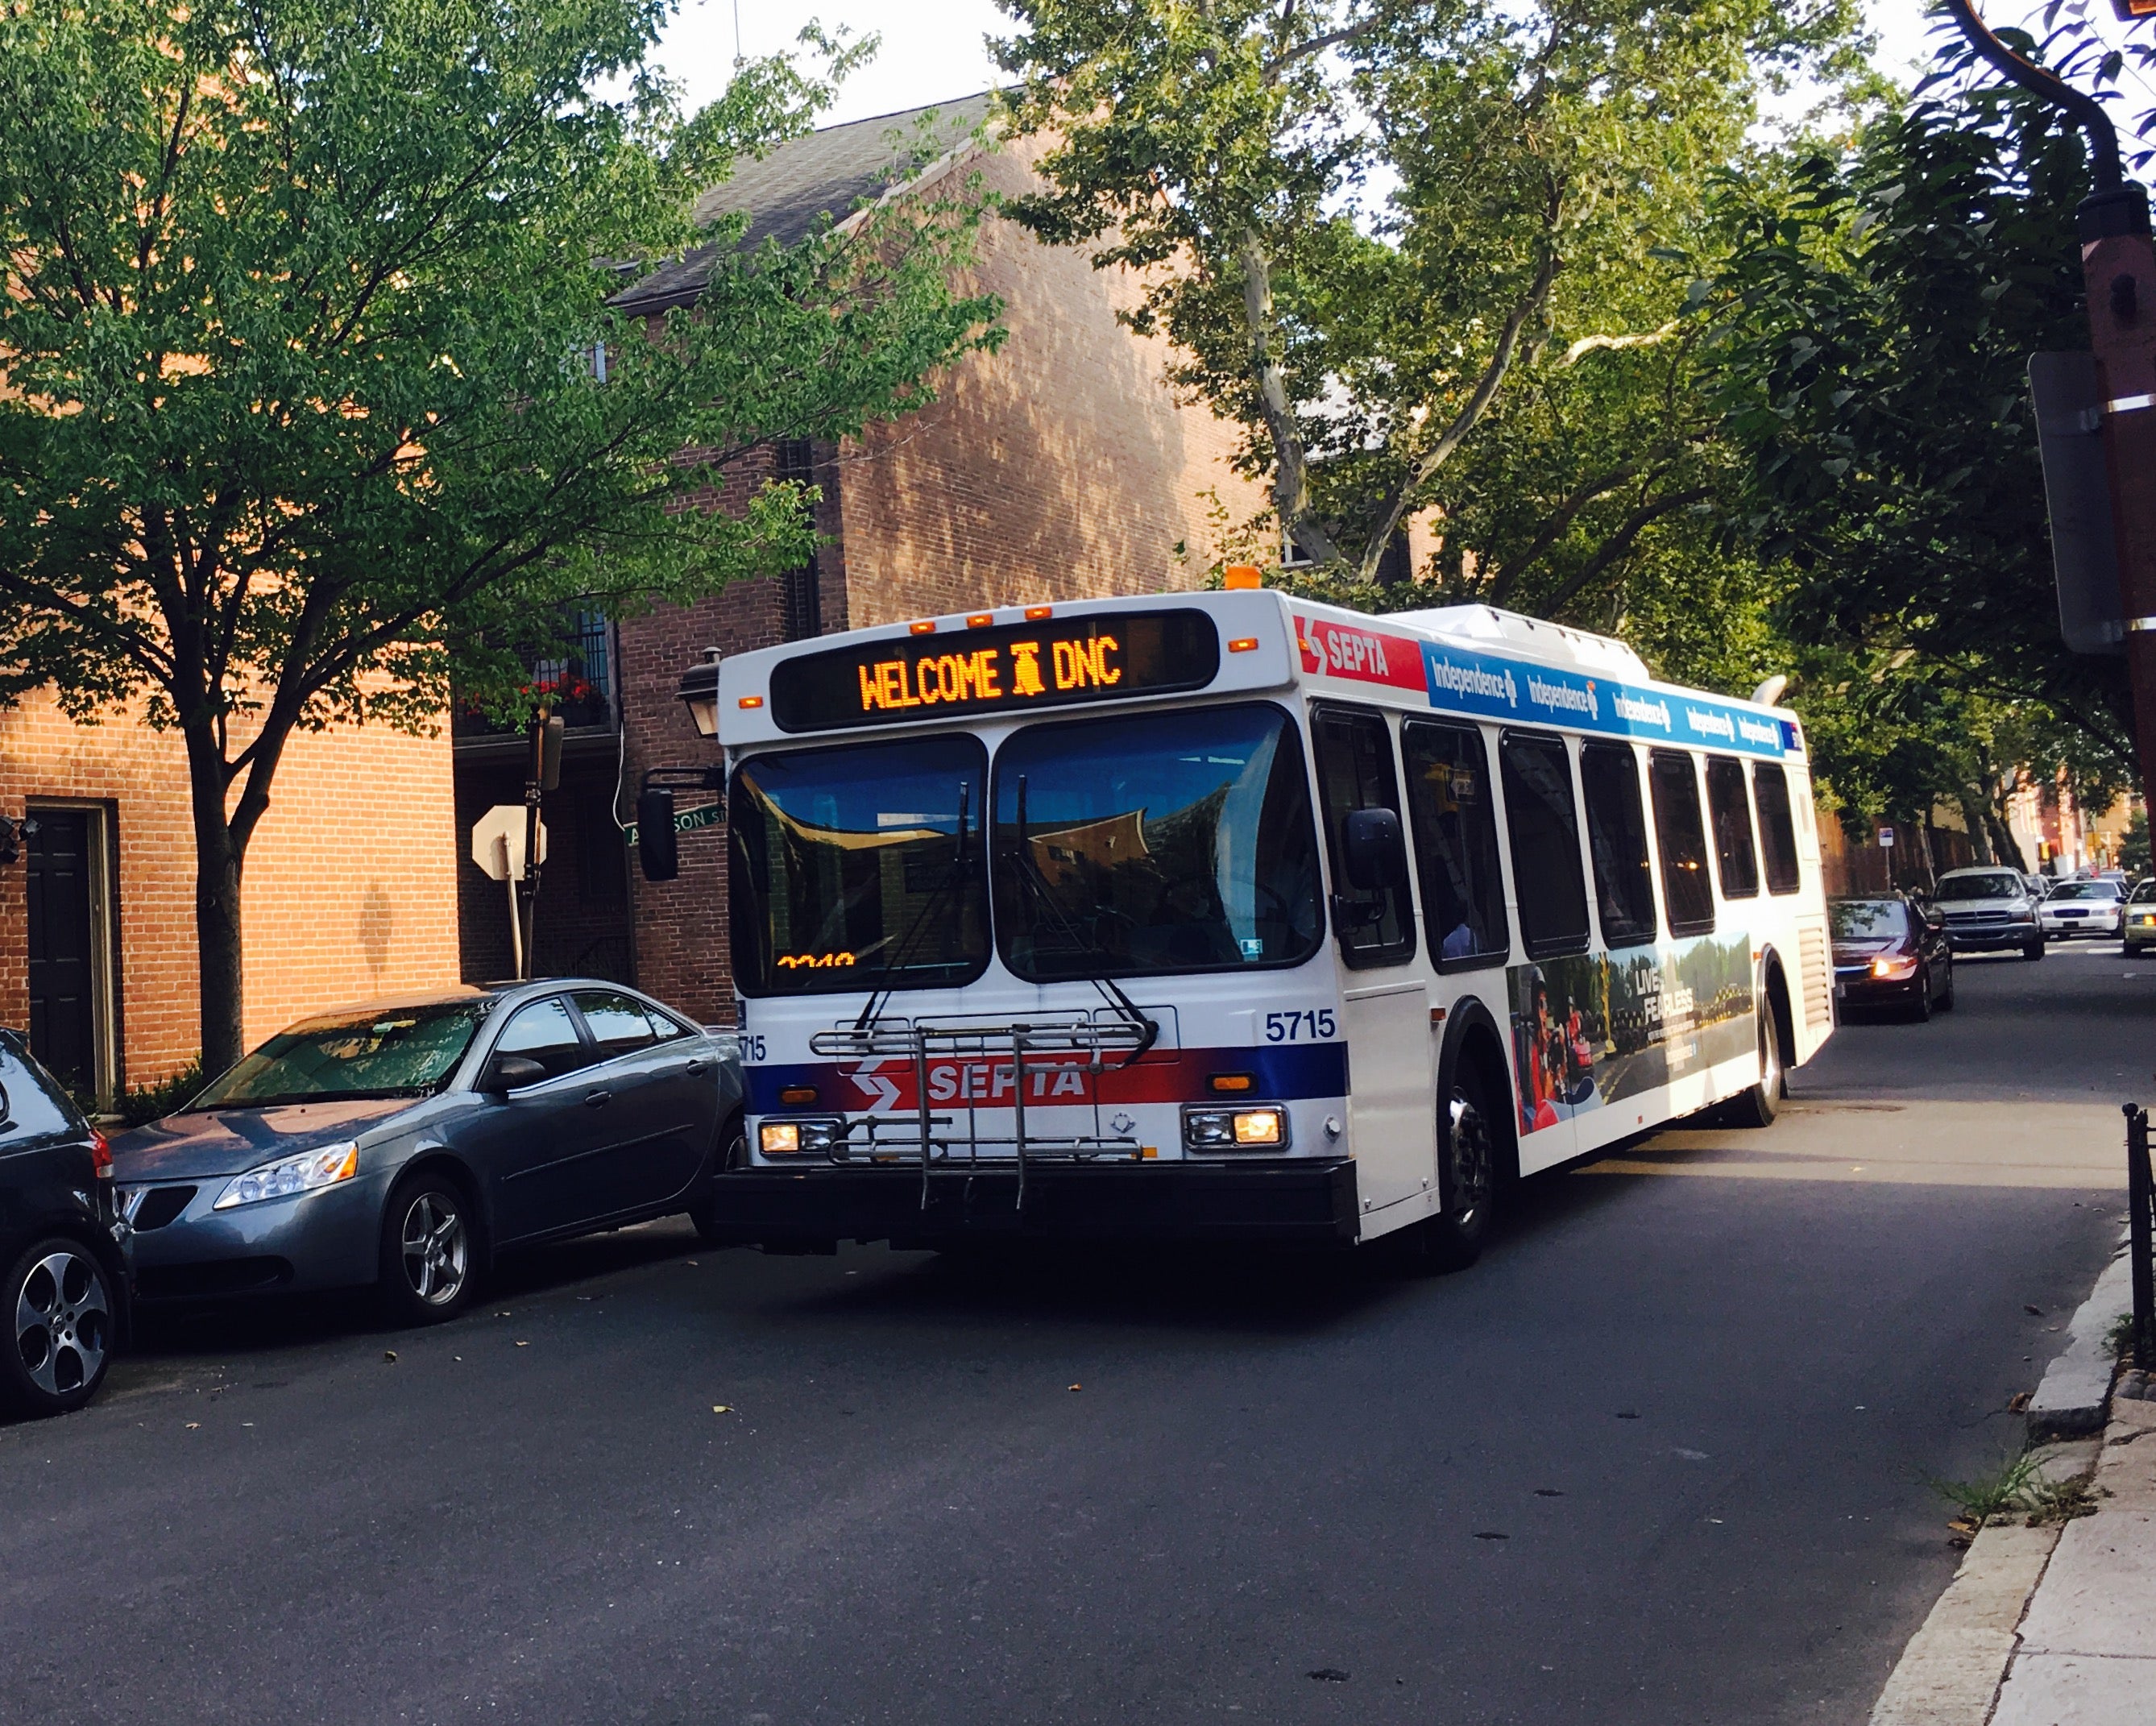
(699, 691)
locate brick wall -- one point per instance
(349, 890)
(1061, 467)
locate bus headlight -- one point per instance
(797, 1138)
(1246, 1130)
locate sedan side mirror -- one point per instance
(1376, 855)
(505, 1073)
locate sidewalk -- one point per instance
(2053, 1625)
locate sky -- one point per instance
(934, 50)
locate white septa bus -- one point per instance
(1227, 915)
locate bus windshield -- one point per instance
(859, 868)
(1133, 846)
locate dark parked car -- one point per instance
(1891, 952)
(60, 1239)
(404, 1142)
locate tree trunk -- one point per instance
(218, 858)
(1973, 812)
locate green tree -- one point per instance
(1881, 311)
(309, 397)
(1403, 230)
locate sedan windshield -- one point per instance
(1998, 885)
(1135, 846)
(399, 1051)
(2086, 890)
(2144, 892)
(1869, 919)
(859, 868)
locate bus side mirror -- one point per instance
(658, 848)
(1377, 857)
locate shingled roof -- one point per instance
(827, 172)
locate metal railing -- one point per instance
(1008, 1045)
(2140, 1202)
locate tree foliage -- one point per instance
(301, 414)
(1428, 253)
(1880, 311)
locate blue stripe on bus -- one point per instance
(1491, 687)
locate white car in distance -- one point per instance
(2083, 907)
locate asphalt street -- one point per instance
(1663, 1456)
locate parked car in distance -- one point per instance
(2138, 924)
(1988, 908)
(1892, 950)
(61, 1242)
(2083, 907)
(2039, 885)
(405, 1142)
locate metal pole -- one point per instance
(535, 768)
(2138, 1198)
(2118, 265)
(515, 920)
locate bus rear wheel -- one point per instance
(1466, 1178)
(1757, 1107)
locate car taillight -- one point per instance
(100, 1154)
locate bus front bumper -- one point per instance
(1292, 1201)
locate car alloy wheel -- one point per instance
(436, 1248)
(62, 1325)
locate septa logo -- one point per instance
(1313, 661)
(1365, 655)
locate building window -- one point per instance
(801, 600)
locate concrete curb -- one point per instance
(2076, 1387)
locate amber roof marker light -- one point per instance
(1241, 578)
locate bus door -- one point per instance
(1385, 1011)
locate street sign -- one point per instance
(1885, 838)
(2067, 392)
(497, 842)
(710, 814)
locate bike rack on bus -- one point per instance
(917, 1040)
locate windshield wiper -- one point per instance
(1028, 872)
(961, 860)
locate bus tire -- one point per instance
(1758, 1107)
(1466, 1175)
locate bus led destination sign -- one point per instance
(1051, 663)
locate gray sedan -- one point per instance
(403, 1143)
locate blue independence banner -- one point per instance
(1490, 687)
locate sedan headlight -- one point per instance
(1251, 1129)
(288, 1175)
(1886, 967)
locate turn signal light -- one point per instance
(798, 1096)
(1260, 1127)
(752, 700)
(1224, 1082)
(779, 1138)
(1243, 644)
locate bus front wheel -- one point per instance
(1467, 1178)
(1757, 1107)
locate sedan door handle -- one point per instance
(597, 1099)
(696, 1066)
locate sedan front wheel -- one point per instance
(429, 1261)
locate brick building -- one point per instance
(349, 891)
(1061, 466)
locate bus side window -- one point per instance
(1543, 821)
(1732, 811)
(1455, 823)
(1617, 838)
(1778, 834)
(1687, 895)
(1375, 925)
